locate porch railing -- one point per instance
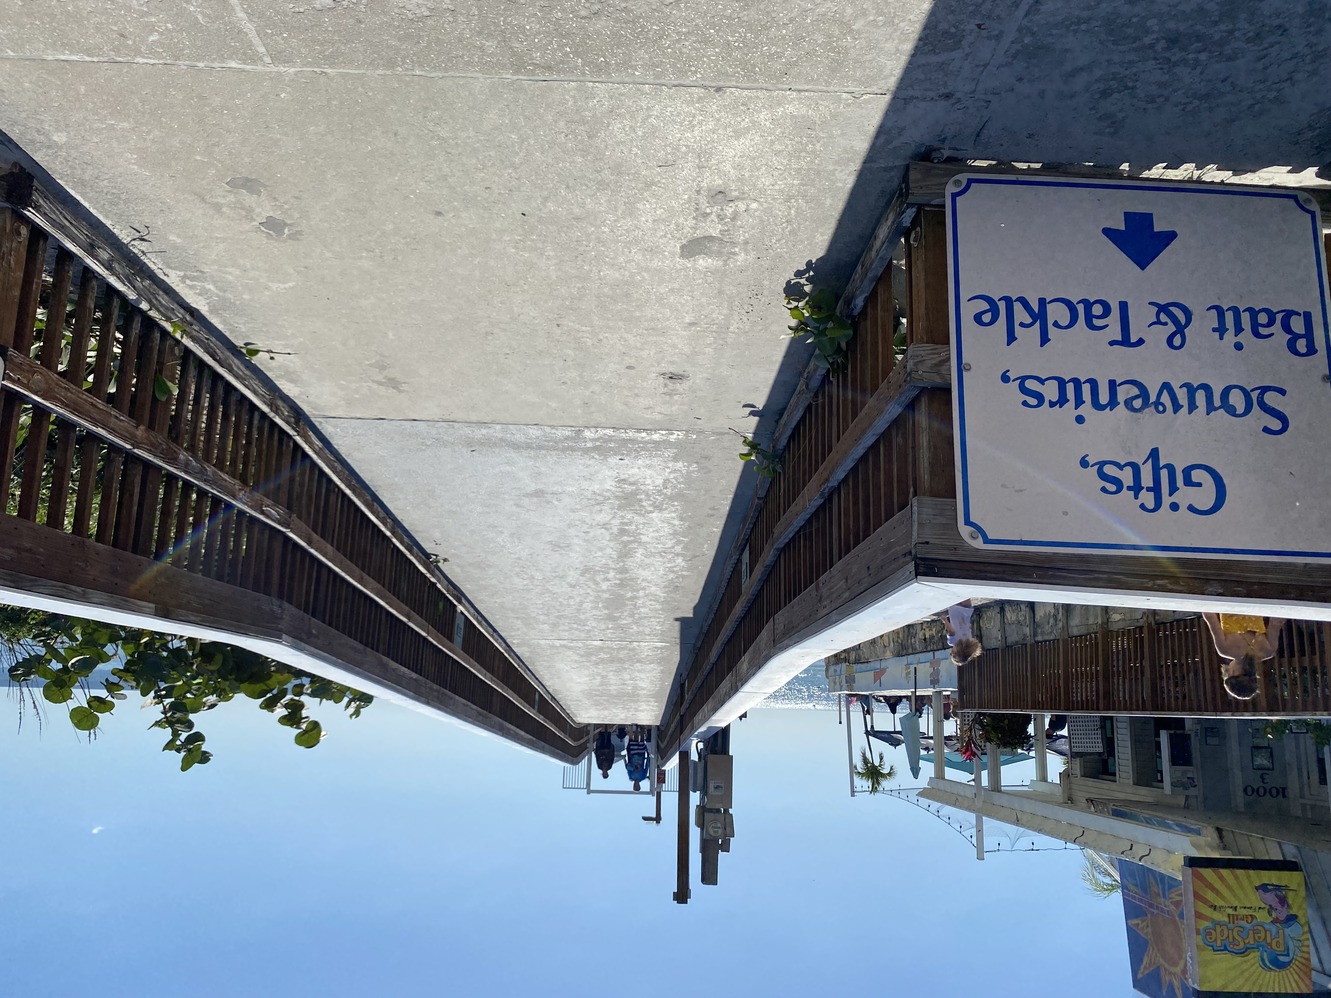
(1151, 669)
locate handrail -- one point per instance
(1150, 669)
(134, 427)
(860, 447)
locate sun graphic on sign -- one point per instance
(1166, 947)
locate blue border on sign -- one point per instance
(959, 379)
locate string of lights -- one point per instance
(967, 832)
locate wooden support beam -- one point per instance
(78, 576)
(942, 553)
(14, 230)
(878, 255)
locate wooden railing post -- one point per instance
(927, 322)
(14, 230)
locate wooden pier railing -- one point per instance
(147, 468)
(859, 527)
(857, 449)
(1150, 669)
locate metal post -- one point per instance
(657, 818)
(995, 768)
(940, 748)
(850, 752)
(838, 710)
(682, 844)
(979, 818)
(1326, 754)
(589, 770)
(1041, 750)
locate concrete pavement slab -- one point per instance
(213, 31)
(820, 46)
(467, 250)
(583, 545)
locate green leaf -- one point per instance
(192, 739)
(163, 389)
(821, 303)
(191, 757)
(252, 352)
(177, 328)
(44, 671)
(83, 719)
(83, 666)
(309, 736)
(57, 693)
(101, 705)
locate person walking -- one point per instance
(637, 759)
(1244, 641)
(605, 754)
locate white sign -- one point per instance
(1140, 367)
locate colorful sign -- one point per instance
(1249, 926)
(1157, 931)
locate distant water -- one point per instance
(806, 691)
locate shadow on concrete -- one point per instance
(1223, 85)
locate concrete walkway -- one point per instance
(524, 260)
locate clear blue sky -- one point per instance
(410, 856)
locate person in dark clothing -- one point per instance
(637, 760)
(605, 754)
(1057, 722)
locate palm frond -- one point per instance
(875, 773)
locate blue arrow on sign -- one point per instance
(1139, 240)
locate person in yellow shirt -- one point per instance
(1244, 641)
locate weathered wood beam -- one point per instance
(108, 584)
(874, 261)
(942, 553)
